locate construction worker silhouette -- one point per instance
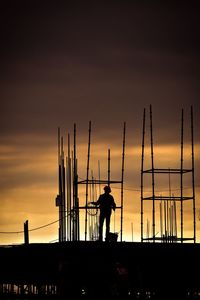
(106, 203)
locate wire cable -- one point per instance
(33, 229)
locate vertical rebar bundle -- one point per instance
(69, 220)
(60, 199)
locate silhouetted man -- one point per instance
(106, 203)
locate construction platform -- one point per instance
(71, 270)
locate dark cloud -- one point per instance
(72, 62)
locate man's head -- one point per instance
(107, 189)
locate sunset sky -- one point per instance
(103, 61)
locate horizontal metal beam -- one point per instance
(93, 207)
(167, 171)
(96, 181)
(167, 198)
(172, 238)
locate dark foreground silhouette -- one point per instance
(114, 270)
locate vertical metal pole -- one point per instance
(75, 189)
(59, 154)
(87, 179)
(69, 191)
(167, 216)
(170, 217)
(172, 221)
(70, 198)
(60, 205)
(152, 166)
(68, 203)
(108, 167)
(99, 172)
(67, 187)
(73, 195)
(165, 220)
(181, 176)
(26, 235)
(77, 204)
(92, 199)
(161, 221)
(122, 178)
(193, 186)
(63, 192)
(142, 175)
(92, 188)
(175, 220)
(169, 207)
(95, 218)
(59, 187)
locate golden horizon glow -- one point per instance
(29, 185)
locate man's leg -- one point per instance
(101, 220)
(107, 226)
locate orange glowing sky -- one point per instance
(102, 62)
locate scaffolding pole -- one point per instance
(68, 176)
(60, 199)
(193, 186)
(71, 177)
(75, 193)
(142, 175)
(59, 189)
(153, 179)
(170, 216)
(63, 205)
(122, 178)
(108, 167)
(181, 173)
(87, 179)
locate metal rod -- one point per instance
(68, 197)
(73, 195)
(167, 216)
(26, 233)
(63, 192)
(152, 165)
(172, 221)
(95, 216)
(59, 152)
(69, 191)
(122, 178)
(142, 173)
(90, 199)
(193, 185)
(75, 189)
(170, 195)
(99, 173)
(181, 179)
(77, 203)
(59, 188)
(165, 219)
(175, 225)
(87, 178)
(97, 181)
(161, 221)
(109, 167)
(58, 137)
